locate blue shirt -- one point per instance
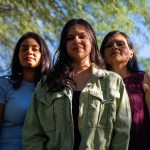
(16, 104)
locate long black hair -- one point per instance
(132, 64)
(60, 74)
(16, 68)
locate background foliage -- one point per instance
(47, 17)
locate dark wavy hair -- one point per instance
(60, 74)
(132, 64)
(16, 68)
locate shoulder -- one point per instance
(115, 79)
(146, 83)
(5, 77)
(109, 74)
(147, 78)
(4, 80)
(147, 74)
(42, 94)
(5, 86)
(111, 79)
(114, 74)
(105, 73)
(41, 84)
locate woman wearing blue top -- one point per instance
(31, 60)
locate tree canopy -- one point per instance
(47, 17)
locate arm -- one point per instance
(146, 87)
(3, 93)
(121, 133)
(2, 106)
(33, 134)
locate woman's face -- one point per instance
(117, 50)
(30, 54)
(79, 44)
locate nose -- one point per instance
(114, 45)
(76, 40)
(29, 50)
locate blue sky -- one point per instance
(143, 45)
(145, 51)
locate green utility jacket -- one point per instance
(104, 116)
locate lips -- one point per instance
(77, 48)
(28, 58)
(115, 52)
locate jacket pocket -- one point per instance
(94, 107)
(102, 108)
(46, 117)
(50, 111)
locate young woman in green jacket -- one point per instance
(78, 105)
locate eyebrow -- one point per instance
(23, 45)
(116, 41)
(78, 33)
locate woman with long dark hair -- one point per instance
(30, 61)
(79, 105)
(119, 55)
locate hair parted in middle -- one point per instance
(16, 68)
(60, 74)
(132, 63)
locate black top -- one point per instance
(75, 111)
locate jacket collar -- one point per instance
(97, 73)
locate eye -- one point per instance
(23, 49)
(69, 38)
(35, 49)
(109, 45)
(120, 43)
(83, 36)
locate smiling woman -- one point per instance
(79, 45)
(78, 105)
(30, 54)
(31, 60)
(119, 55)
(117, 52)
